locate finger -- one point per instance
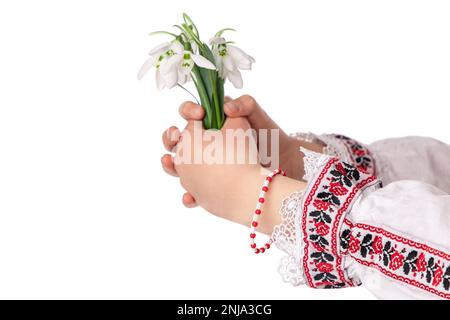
(168, 165)
(170, 138)
(188, 200)
(246, 106)
(227, 99)
(191, 111)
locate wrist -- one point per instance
(291, 159)
(249, 189)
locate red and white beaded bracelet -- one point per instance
(258, 212)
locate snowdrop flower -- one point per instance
(229, 59)
(157, 56)
(180, 65)
(173, 64)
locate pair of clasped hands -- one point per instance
(230, 191)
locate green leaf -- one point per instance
(220, 32)
(163, 32)
(190, 34)
(221, 96)
(189, 22)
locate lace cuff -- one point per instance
(288, 236)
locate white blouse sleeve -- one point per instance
(401, 241)
(345, 230)
(411, 158)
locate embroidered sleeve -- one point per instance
(343, 148)
(349, 151)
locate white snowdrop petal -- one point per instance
(159, 49)
(171, 78)
(217, 40)
(145, 67)
(159, 80)
(203, 62)
(245, 66)
(177, 47)
(238, 55)
(170, 63)
(228, 63)
(194, 47)
(182, 78)
(236, 78)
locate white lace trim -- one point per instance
(312, 161)
(304, 136)
(287, 237)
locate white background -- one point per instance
(85, 209)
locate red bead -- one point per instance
(261, 200)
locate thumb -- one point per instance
(246, 106)
(236, 123)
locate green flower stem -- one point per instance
(208, 120)
(217, 109)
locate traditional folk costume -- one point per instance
(349, 227)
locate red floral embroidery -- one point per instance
(325, 267)
(362, 169)
(322, 229)
(321, 205)
(329, 199)
(396, 260)
(318, 247)
(340, 168)
(421, 263)
(437, 278)
(353, 245)
(360, 155)
(337, 189)
(377, 245)
(402, 259)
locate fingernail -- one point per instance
(231, 107)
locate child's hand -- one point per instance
(224, 181)
(226, 190)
